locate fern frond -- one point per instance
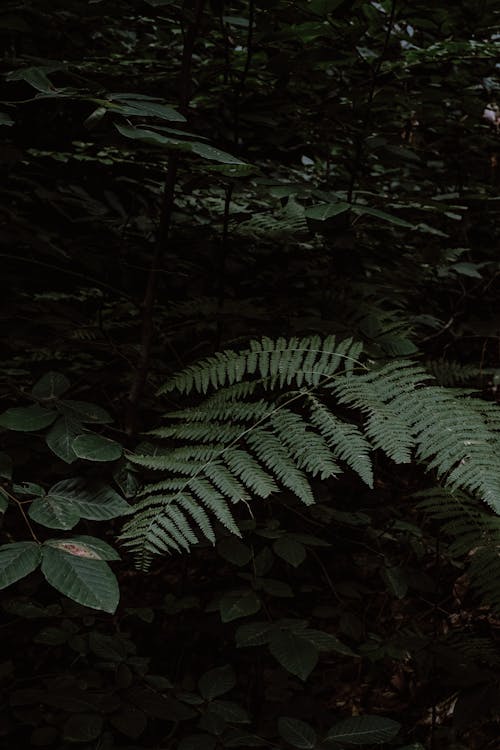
(450, 373)
(308, 449)
(348, 444)
(474, 535)
(297, 361)
(271, 422)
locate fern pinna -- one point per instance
(280, 412)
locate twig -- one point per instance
(168, 202)
(368, 116)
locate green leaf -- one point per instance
(198, 742)
(50, 385)
(234, 605)
(85, 546)
(324, 211)
(229, 711)
(18, 560)
(83, 727)
(291, 551)
(96, 448)
(236, 738)
(396, 580)
(363, 730)
(27, 418)
(129, 720)
(51, 636)
(368, 211)
(60, 438)
(54, 512)
(232, 549)
(273, 587)
(35, 76)
(139, 108)
(297, 655)
(95, 502)
(88, 582)
(297, 733)
(84, 412)
(110, 648)
(214, 154)
(5, 119)
(6, 466)
(200, 149)
(467, 269)
(254, 634)
(217, 682)
(326, 641)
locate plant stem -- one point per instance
(168, 203)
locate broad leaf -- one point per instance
(254, 634)
(83, 727)
(96, 448)
(85, 546)
(50, 385)
(324, 211)
(60, 438)
(83, 411)
(18, 560)
(363, 730)
(238, 604)
(5, 119)
(95, 502)
(297, 733)
(141, 108)
(217, 682)
(89, 582)
(27, 418)
(232, 549)
(54, 512)
(297, 655)
(6, 466)
(290, 550)
(368, 211)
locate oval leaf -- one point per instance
(88, 582)
(295, 654)
(96, 448)
(27, 418)
(363, 730)
(83, 411)
(18, 560)
(85, 546)
(238, 604)
(53, 512)
(50, 385)
(83, 727)
(297, 733)
(291, 551)
(60, 438)
(217, 682)
(94, 502)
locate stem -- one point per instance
(246, 69)
(22, 511)
(358, 156)
(168, 203)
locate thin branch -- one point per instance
(358, 156)
(168, 203)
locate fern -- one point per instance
(473, 533)
(284, 411)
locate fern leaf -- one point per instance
(347, 442)
(274, 455)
